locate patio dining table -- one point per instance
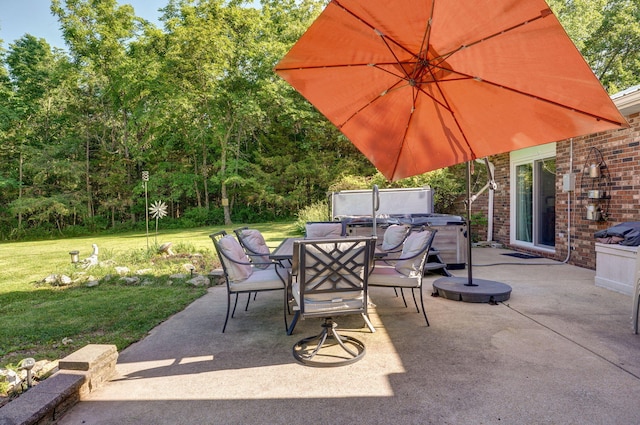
(284, 251)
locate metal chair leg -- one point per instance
(235, 304)
(368, 323)
(293, 323)
(403, 299)
(226, 319)
(424, 312)
(286, 310)
(413, 294)
(636, 309)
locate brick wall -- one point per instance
(620, 152)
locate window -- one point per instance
(533, 197)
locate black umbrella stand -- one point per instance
(467, 288)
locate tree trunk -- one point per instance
(223, 184)
(88, 176)
(205, 175)
(20, 187)
(224, 146)
(195, 181)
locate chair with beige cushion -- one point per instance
(254, 245)
(243, 276)
(636, 295)
(393, 239)
(324, 229)
(407, 271)
(329, 278)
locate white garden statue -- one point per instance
(92, 260)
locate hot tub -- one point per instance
(451, 239)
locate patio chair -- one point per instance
(324, 229)
(329, 278)
(636, 295)
(391, 248)
(254, 246)
(408, 270)
(393, 239)
(243, 276)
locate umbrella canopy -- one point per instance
(419, 85)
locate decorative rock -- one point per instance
(131, 280)
(147, 282)
(44, 368)
(122, 270)
(178, 276)
(199, 280)
(217, 277)
(92, 283)
(9, 376)
(144, 271)
(82, 277)
(51, 279)
(57, 279)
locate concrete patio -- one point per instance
(559, 351)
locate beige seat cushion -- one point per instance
(393, 236)
(254, 240)
(337, 302)
(412, 245)
(323, 230)
(232, 249)
(260, 280)
(389, 276)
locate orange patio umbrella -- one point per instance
(419, 85)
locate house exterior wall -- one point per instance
(621, 153)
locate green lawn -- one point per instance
(47, 321)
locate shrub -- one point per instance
(246, 214)
(198, 216)
(351, 182)
(318, 211)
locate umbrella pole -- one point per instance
(469, 267)
(469, 289)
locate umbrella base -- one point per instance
(482, 291)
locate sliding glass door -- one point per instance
(546, 203)
(524, 203)
(533, 195)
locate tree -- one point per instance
(607, 33)
(35, 102)
(197, 104)
(98, 33)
